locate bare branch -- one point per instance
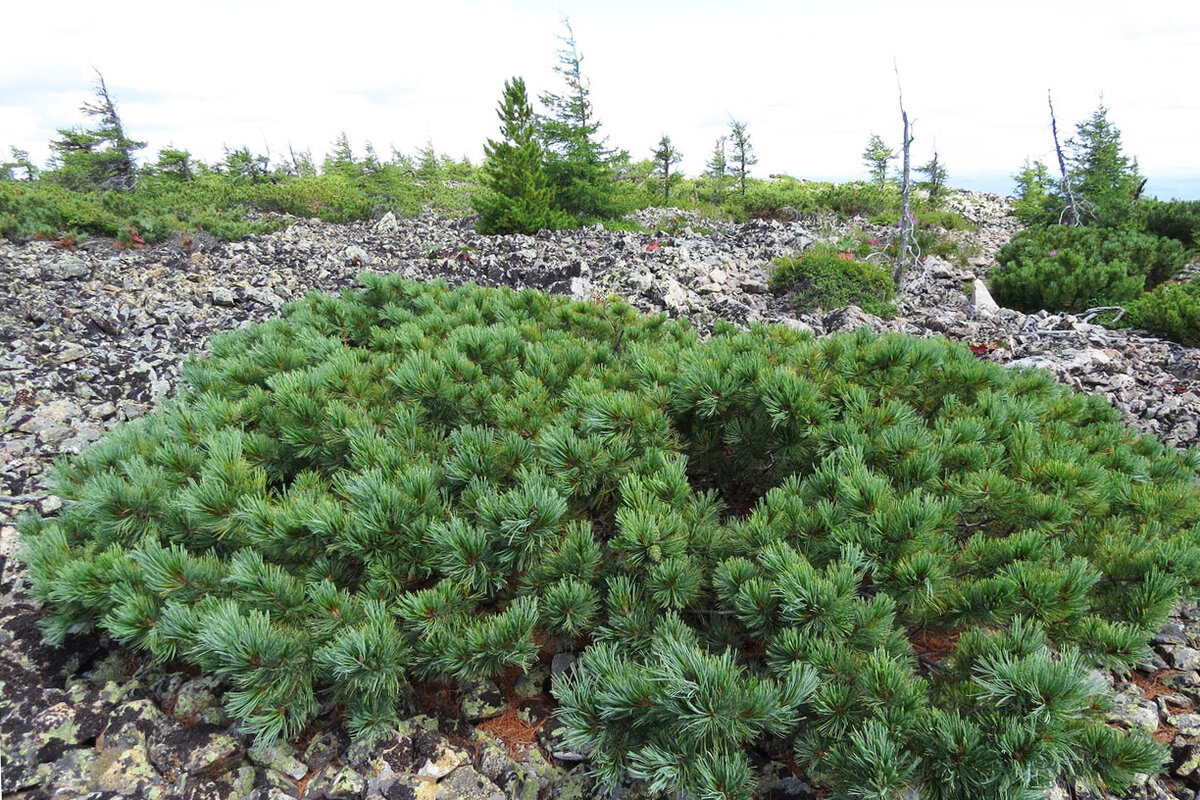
(1072, 207)
(905, 254)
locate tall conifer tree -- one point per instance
(743, 154)
(666, 156)
(717, 170)
(1100, 173)
(579, 166)
(517, 197)
(99, 158)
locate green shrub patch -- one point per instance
(895, 558)
(1061, 268)
(825, 277)
(1172, 310)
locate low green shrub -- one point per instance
(895, 558)
(1061, 268)
(824, 277)
(223, 205)
(1175, 219)
(862, 199)
(769, 199)
(942, 218)
(1171, 310)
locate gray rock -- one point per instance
(981, 299)
(851, 318)
(1135, 712)
(279, 757)
(465, 783)
(65, 268)
(336, 783)
(1183, 658)
(221, 296)
(481, 699)
(1185, 724)
(355, 256)
(199, 700)
(532, 682)
(387, 224)
(203, 750)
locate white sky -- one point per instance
(812, 80)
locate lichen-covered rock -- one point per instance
(203, 750)
(481, 699)
(279, 757)
(325, 747)
(464, 783)
(436, 756)
(533, 682)
(198, 700)
(128, 770)
(336, 783)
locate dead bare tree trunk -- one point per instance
(904, 257)
(1072, 208)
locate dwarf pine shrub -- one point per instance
(896, 559)
(1172, 310)
(1061, 268)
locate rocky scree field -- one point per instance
(94, 337)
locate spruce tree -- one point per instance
(935, 178)
(1106, 179)
(666, 156)
(717, 171)
(340, 160)
(99, 158)
(174, 164)
(876, 157)
(1034, 193)
(743, 154)
(517, 196)
(578, 164)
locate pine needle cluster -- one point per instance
(750, 537)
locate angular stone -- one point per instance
(444, 759)
(411, 787)
(1183, 658)
(851, 318)
(279, 757)
(481, 699)
(70, 353)
(533, 682)
(467, 784)
(355, 256)
(387, 223)
(1135, 711)
(65, 268)
(197, 701)
(981, 299)
(202, 749)
(336, 783)
(1186, 724)
(128, 771)
(221, 296)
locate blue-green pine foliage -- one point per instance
(893, 559)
